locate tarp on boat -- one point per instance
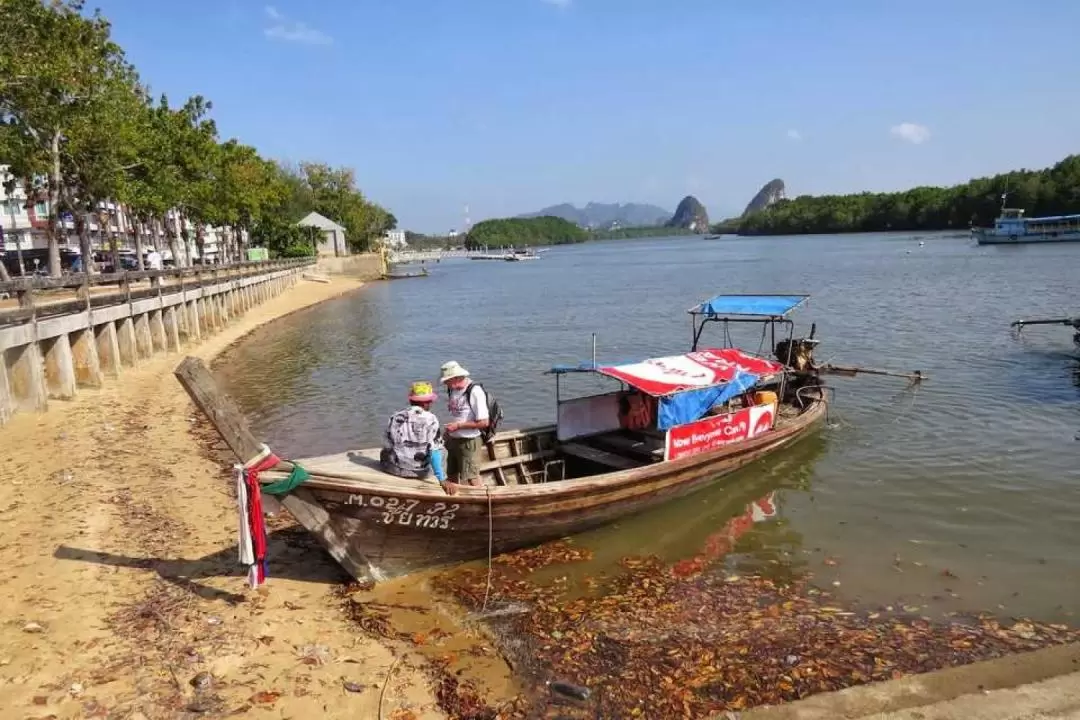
(692, 371)
(773, 306)
(691, 405)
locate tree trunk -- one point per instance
(139, 228)
(54, 205)
(172, 232)
(82, 227)
(200, 241)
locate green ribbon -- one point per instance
(280, 487)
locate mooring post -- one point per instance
(171, 327)
(59, 367)
(26, 377)
(157, 332)
(7, 406)
(108, 348)
(85, 354)
(129, 348)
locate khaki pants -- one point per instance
(463, 459)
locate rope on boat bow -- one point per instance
(249, 492)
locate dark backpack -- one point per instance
(495, 413)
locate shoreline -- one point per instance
(124, 594)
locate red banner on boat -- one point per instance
(704, 368)
(714, 432)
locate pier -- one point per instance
(85, 334)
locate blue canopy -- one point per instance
(692, 405)
(760, 305)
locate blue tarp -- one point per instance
(766, 305)
(692, 405)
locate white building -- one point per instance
(395, 239)
(26, 228)
(332, 241)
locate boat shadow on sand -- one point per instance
(294, 554)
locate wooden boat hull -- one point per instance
(401, 526)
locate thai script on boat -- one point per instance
(713, 432)
(411, 513)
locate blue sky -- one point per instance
(511, 105)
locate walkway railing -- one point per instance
(60, 334)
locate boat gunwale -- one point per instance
(551, 491)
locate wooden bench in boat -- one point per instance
(647, 448)
(601, 457)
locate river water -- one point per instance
(960, 495)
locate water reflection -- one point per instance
(742, 514)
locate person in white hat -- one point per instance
(468, 416)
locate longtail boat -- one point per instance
(669, 426)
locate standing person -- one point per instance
(413, 446)
(468, 416)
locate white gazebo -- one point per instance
(332, 242)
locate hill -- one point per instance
(606, 215)
(770, 193)
(524, 232)
(690, 215)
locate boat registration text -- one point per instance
(408, 512)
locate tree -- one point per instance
(59, 69)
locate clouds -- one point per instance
(559, 3)
(794, 136)
(293, 31)
(910, 132)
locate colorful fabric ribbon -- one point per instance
(252, 542)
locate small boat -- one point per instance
(1073, 322)
(1012, 228)
(668, 426)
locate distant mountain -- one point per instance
(690, 215)
(767, 195)
(605, 216)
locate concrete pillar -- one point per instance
(59, 367)
(108, 348)
(223, 302)
(193, 322)
(7, 405)
(170, 324)
(157, 332)
(144, 341)
(129, 346)
(204, 321)
(87, 364)
(26, 377)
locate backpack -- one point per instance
(412, 436)
(495, 413)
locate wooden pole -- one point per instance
(852, 371)
(301, 503)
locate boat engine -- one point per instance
(798, 353)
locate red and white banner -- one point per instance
(662, 376)
(714, 432)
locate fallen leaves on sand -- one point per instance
(265, 697)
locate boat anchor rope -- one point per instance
(252, 536)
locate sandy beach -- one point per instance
(122, 593)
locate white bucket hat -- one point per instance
(452, 370)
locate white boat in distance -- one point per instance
(1012, 228)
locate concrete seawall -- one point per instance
(50, 352)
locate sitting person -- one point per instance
(413, 447)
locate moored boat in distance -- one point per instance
(1012, 228)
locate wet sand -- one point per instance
(122, 596)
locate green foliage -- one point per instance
(77, 127)
(637, 232)
(524, 232)
(283, 237)
(1052, 191)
